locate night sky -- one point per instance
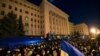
(87, 11)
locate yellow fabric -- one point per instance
(64, 53)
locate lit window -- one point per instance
(26, 18)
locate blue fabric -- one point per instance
(70, 50)
(15, 41)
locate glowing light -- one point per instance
(98, 32)
(93, 30)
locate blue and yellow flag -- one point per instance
(69, 50)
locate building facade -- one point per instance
(82, 29)
(37, 20)
(71, 28)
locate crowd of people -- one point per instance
(87, 46)
(52, 48)
(46, 48)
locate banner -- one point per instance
(69, 50)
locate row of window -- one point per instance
(25, 5)
(38, 21)
(16, 9)
(57, 22)
(34, 32)
(55, 15)
(35, 20)
(35, 26)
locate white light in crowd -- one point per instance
(0, 49)
(83, 37)
(8, 51)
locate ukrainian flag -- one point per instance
(68, 50)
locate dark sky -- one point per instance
(87, 11)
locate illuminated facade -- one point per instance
(37, 20)
(71, 28)
(82, 29)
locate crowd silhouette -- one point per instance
(51, 47)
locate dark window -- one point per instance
(38, 10)
(28, 6)
(38, 26)
(20, 16)
(31, 19)
(16, 15)
(20, 3)
(3, 5)
(38, 21)
(41, 17)
(35, 20)
(16, 1)
(25, 5)
(15, 9)
(41, 32)
(31, 14)
(32, 32)
(35, 9)
(26, 24)
(35, 32)
(10, 0)
(10, 7)
(38, 16)
(26, 12)
(42, 21)
(31, 25)
(20, 10)
(32, 8)
(35, 26)
(35, 15)
(41, 26)
(2, 13)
